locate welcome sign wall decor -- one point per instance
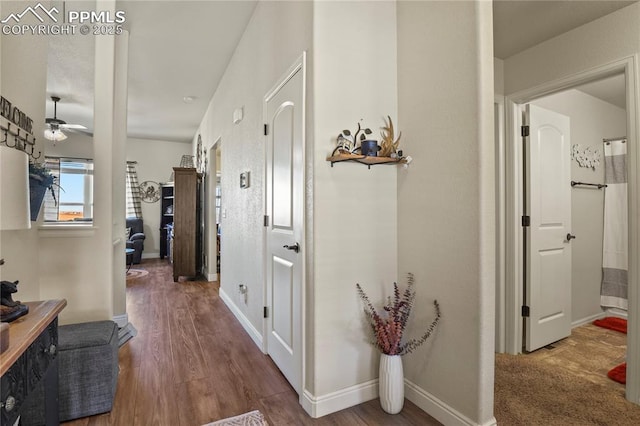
(15, 115)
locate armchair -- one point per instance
(136, 237)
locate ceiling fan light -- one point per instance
(54, 135)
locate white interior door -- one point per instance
(548, 248)
(284, 109)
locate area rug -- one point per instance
(612, 323)
(132, 274)
(619, 373)
(253, 418)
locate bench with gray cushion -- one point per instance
(87, 372)
(88, 369)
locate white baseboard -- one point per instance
(354, 395)
(609, 312)
(146, 255)
(255, 335)
(121, 320)
(615, 312)
(438, 409)
(339, 400)
(588, 319)
(212, 277)
(125, 333)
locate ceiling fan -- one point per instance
(54, 132)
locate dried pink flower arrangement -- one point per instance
(389, 326)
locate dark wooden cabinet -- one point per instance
(29, 366)
(166, 218)
(187, 214)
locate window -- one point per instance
(73, 200)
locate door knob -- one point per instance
(295, 247)
(570, 237)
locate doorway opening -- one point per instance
(214, 209)
(511, 295)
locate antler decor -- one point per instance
(388, 145)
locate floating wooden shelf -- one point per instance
(363, 159)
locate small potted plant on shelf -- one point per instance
(388, 327)
(40, 179)
(358, 146)
(348, 141)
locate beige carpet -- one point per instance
(590, 352)
(253, 418)
(565, 384)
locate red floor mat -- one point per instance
(613, 323)
(619, 373)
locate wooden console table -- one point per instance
(31, 361)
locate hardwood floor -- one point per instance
(192, 363)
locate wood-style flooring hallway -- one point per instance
(192, 363)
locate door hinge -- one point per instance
(524, 131)
(266, 312)
(526, 221)
(266, 220)
(525, 311)
(266, 129)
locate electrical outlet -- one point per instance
(243, 290)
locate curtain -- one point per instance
(51, 204)
(133, 208)
(615, 244)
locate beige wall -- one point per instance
(275, 37)
(351, 217)
(607, 39)
(591, 121)
(155, 159)
(155, 162)
(498, 76)
(354, 208)
(23, 82)
(87, 267)
(77, 145)
(57, 264)
(446, 200)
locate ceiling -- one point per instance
(181, 49)
(521, 24)
(177, 49)
(610, 90)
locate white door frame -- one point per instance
(210, 223)
(512, 185)
(499, 128)
(300, 64)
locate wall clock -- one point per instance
(150, 191)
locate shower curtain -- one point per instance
(613, 292)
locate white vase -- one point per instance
(391, 387)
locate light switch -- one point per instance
(238, 115)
